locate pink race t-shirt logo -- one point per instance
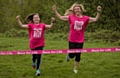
(78, 25)
(37, 32)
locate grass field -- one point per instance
(93, 65)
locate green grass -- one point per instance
(92, 65)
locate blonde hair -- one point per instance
(71, 9)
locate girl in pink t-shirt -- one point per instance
(78, 22)
(36, 34)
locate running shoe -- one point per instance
(38, 73)
(67, 58)
(34, 65)
(75, 71)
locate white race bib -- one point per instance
(37, 32)
(78, 25)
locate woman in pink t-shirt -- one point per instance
(78, 22)
(36, 34)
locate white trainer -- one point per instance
(75, 71)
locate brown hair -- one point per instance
(71, 9)
(29, 18)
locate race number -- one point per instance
(37, 32)
(78, 25)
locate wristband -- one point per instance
(53, 21)
(98, 11)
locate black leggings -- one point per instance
(73, 45)
(37, 56)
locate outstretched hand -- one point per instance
(18, 17)
(54, 7)
(53, 20)
(99, 8)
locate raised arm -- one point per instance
(52, 23)
(64, 18)
(20, 23)
(97, 16)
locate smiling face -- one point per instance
(77, 10)
(36, 19)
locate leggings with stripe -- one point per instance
(73, 45)
(37, 57)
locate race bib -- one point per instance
(78, 25)
(37, 32)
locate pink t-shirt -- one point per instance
(77, 27)
(36, 34)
